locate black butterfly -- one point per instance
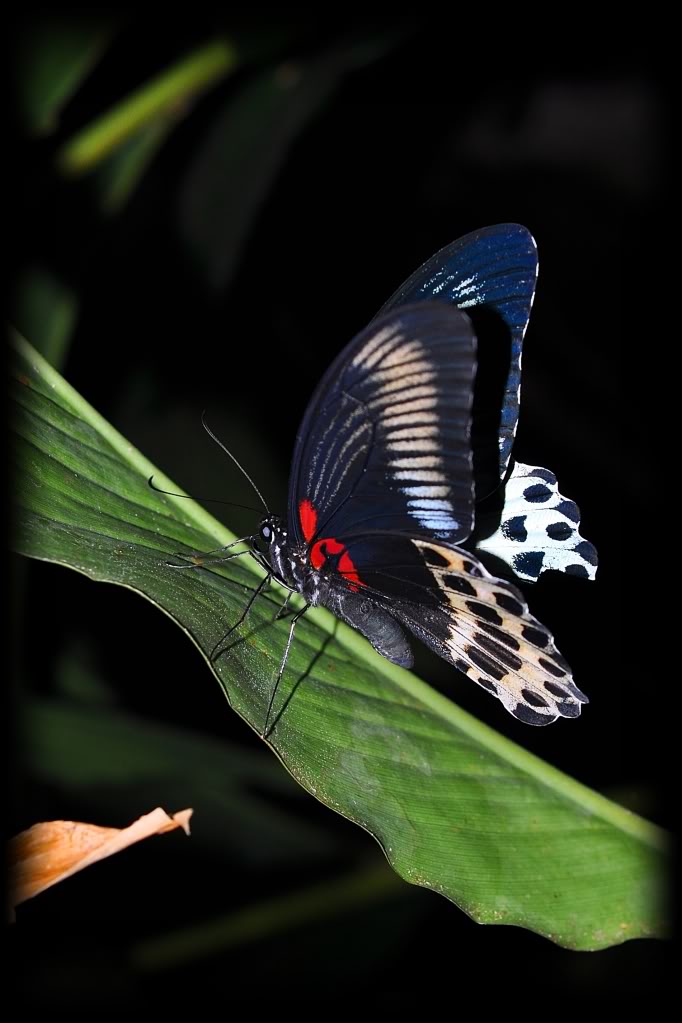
(381, 495)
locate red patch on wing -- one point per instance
(308, 517)
(344, 566)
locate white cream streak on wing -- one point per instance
(406, 352)
(426, 492)
(417, 400)
(337, 476)
(399, 383)
(372, 350)
(422, 434)
(421, 475)
(322, 472)
(416, 462)
(409, 445)
(407, 392)
(410, 419)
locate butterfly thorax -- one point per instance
(290, 562)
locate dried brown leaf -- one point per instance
(49, 852)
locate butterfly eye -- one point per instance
(266, 533)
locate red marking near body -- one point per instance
(308, 517)
(345, 565)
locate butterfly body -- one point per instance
(325, 577)
(386, 469)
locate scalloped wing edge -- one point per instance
(484, 628)
(539, 529)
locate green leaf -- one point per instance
(170, 92)
(120, 174)
(54, 56)
(46, 309)
(455, 806)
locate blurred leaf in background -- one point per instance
(53, 56)
(45, 309)
(169, 93)
(236, 166)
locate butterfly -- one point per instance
(387, 470)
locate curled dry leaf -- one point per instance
(49, 852)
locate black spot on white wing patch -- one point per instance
(539, 528)
(483, 627)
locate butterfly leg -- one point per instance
(199, 560)
(283, 609)
(265, 581)
(265, 732)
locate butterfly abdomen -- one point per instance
(376, 624)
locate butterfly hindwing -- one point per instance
(538, 528)
(385, 441)
(481, 624)
(494, 268)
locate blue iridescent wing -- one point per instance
(495, 270)
(385, 441)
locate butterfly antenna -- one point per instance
(241, 468)
(192, 497)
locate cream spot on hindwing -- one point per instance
(488, 633)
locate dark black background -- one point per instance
(429, 141)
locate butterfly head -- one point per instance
(271, 539)
(273, 543)
(292, 563)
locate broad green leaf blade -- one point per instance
(455, 806)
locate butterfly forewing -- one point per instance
(493, 268)
(385, 440)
